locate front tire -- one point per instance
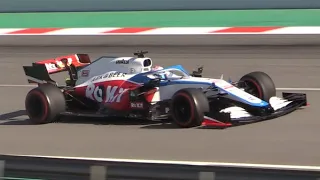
(188, 107)
(259, 84)
(44, 104)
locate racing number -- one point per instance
(101, 94)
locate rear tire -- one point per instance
(260, 85)
(188, 107)
(44, 104)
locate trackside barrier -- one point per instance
(68, 168)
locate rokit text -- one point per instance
(105, 94)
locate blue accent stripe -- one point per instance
(139, 78)
(179, 67)
(173, 82)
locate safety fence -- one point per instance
(63, 168)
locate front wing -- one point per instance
(293, 101)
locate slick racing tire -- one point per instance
(259, 84)
(44, 104)
(188, 107)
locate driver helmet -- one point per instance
(156, 68)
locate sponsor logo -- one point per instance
(122, 61)
(228, 86)
(51, 67)
(138, 105)
(57, 64)
(252, 98)
(109, 75)
(61, 64)
(107, 94)
(85, 73)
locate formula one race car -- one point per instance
(132, 87)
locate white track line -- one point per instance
(17, 85)
(194, 163)
(298, 89)
(279, 89)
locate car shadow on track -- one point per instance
(19, 117)
(170, 125)
(103, 121)
(143, 124)
(14, 118)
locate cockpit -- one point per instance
(168, 74)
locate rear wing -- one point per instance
(40, 71)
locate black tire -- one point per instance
(260, 85)
(194, 102)
(44, 104)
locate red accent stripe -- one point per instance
(129, 30)
(210, 123)
(34, 31)
(245, 29)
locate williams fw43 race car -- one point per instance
(132, 87)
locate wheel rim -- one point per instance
(182, 109)
(253, 88)
(35, 107)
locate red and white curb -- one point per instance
(161, 30)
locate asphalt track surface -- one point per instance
(293, 139)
